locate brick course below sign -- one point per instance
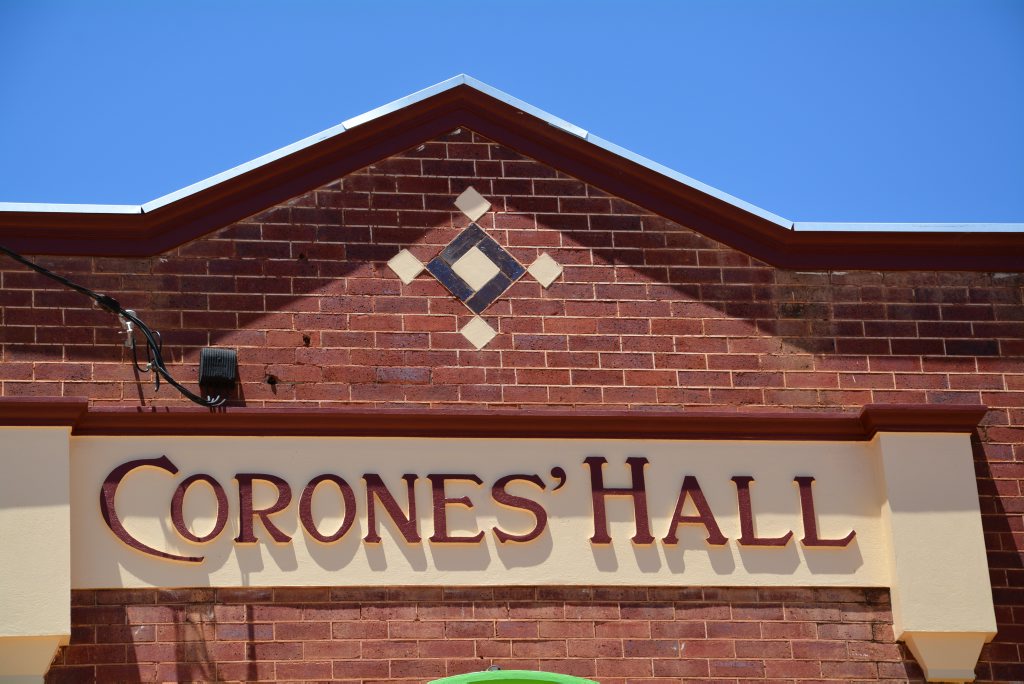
(372, 634)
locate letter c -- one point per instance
(109, 492)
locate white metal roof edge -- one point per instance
(403, 102)
(551, 119)
(243, 168)
(378, 112)
(806, 226)
(463, 79)
(44, 207)
(686, 180)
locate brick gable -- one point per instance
(648, 314)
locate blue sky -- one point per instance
(817, 111)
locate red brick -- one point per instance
(461, 629)
(709, 648)
(270, 650)
(301, 631)
(305, 670)
(802, 669)
(681, 668)
(95, 654)
(624, 629)
(418, 668)
(245, 632)
(275, 613)
(517, 629)
(651, 648)
(364, 629)
(820, 650)
(626, 667)
(737, 630)
(762, 649)
(529, 648)
(849, 670)
(131, 672)
(137, 614)
(574, 628)
(247, 671)
(353, 669)
(392, 648)
(747, 669)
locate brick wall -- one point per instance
(615, 635)
(648, 314)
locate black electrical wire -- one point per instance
(154, 341)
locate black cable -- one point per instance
(154, 340)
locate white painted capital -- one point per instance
(941, 595)
(35, 566)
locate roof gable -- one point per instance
(198, 209)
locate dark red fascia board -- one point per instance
(460, 423)
(147, 234)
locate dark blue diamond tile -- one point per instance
(444, 273)
(502, 259)
(486, 295)
(509, 269)
(465, 241)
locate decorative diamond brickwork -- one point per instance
(506, 270)
(545, 269)
(478, 332)
(472, 204)
(406, 266)
(474, 267)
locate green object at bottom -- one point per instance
(513, 677)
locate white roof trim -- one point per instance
(805, 226)
(691, 182)
(153, 205)
(72, 208)
(403, 102)
(463, 79)
(525, 107)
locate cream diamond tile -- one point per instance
(476, 268)
(406, 266)
(478, 332)
(545, 269)
(472, 204)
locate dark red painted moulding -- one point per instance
(368, 422)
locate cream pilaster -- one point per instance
(941, 594)
(35, 563)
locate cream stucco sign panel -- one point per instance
(845, 494)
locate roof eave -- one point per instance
(187, 213)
